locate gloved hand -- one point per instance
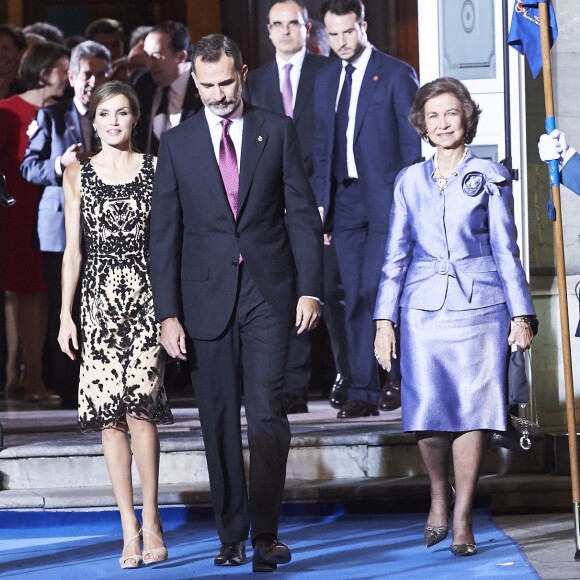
(553, 146)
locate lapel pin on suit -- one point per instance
(376, 78)
(260, 138)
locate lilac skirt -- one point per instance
(454, 369)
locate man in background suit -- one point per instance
(285, 85)
(236, 259)
(166, 91)
(62, 134)
(362, 140)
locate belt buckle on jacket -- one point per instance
(441, 266)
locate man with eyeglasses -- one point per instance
(166, 90)
(61, 134)
(286, 85)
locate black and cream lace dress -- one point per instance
(122, 362)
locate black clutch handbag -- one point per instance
(6, 200)
(520, 429)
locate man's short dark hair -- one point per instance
(342, 7)
(210, 48)
(178, 35)
(103, 26)
(46, 30)
(300, 4)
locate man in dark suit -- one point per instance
(167, 93)
(233, 244)
(62, 134)
(362, 140)
(286, 86)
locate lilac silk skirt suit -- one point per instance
(452, 279)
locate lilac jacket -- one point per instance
(456, 248)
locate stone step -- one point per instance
(508, 493)
(39, 457)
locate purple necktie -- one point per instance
(287, 91)
(229, 166)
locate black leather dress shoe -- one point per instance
(294, 404)
(268, 553)
(390, 398)
(232, 554)
(339, 393)
(354, 408)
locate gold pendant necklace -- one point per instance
(442, 182)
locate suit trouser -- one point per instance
(252, 351)
(360, 254)
(60, 372)
(298, 373)
(333, 311)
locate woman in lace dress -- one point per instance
(121, 393)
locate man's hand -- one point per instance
(307, 314)
(173, 338)
(72, 154)
(553, 146)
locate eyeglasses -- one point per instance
(292, 25)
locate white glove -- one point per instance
(553, 146)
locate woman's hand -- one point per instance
(66, 335)
(385, 343)
(521, 332)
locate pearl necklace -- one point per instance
(440, 181)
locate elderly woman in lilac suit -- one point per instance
(452, 280)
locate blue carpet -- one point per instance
(341, 546)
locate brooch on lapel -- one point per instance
(475, 183)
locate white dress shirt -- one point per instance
(360, 66)
(175, 98)
(235, 131)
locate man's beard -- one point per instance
(225, 108)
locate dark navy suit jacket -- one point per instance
(262, 88)
(571, 174)
(58, 128)
(384, 140)
(145, 88)
(195, 241)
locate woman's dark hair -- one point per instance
(15, 34)
(470, 111)
(37, 62)
(109, 90)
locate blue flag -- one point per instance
(524, 34)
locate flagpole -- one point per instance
(543, 6)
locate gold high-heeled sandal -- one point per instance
(132, 560)
(155, 555)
